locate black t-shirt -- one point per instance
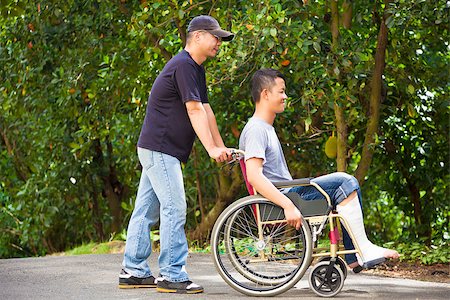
(167, 127)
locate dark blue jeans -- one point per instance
(338, 186)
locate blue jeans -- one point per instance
(338, 186)
(160, 197)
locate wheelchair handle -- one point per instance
(237, 153)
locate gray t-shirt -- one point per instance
(258, 139)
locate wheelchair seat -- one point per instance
(312, 208)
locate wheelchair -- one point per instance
(258, 254)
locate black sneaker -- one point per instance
(185, 287)
(127, 281)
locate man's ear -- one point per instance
(264, 94)
(196, 36)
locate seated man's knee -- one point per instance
(349, 180)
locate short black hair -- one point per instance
(264, 79)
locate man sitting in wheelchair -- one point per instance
(265, 163)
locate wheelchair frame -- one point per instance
(327, 277)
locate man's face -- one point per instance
(209, 43)
(276, 96)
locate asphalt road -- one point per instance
(96, 277)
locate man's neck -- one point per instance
(197, 57)
(268, 117)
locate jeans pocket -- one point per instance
(145, 158)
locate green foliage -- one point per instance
(411, 182)
(75, 76)
(428, 255)
(66, 110)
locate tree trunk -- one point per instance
(155, 41)
(334, 24)
(348, 13)
(341, 125)
(415, 196)
(98, 225)
(198, 186)
(113, 190)
(114, 206)
(181, 31)
(228, 188)
(423, 226)
(375, 100)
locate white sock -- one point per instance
(353, 214)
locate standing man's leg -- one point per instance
(136, 271)
(169, 187)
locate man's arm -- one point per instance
(213, 125)
(199, 120)
(264, 187)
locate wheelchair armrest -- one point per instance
(290, 183)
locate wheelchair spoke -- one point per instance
(241, 230)
(244, 224)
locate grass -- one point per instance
(116, 246)
(95, 248)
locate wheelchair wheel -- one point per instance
(323, 285)
(340, 262)
(241, 262)
(255, 251)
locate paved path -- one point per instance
(96, 277)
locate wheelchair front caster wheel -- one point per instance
(340, 262)
(326, 285)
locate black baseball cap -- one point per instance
(211, 25)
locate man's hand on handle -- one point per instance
(220, 154)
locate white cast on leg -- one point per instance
(353, 214)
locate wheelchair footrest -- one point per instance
(369, 265)
(373, 263)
